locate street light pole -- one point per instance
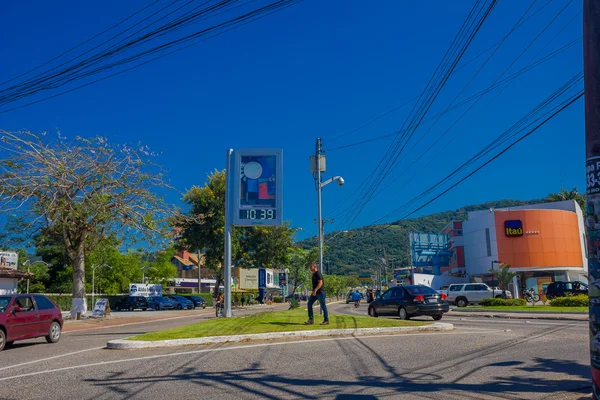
(94, 280)
(320, 186)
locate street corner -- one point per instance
(124, 344)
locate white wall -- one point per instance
(436, 281)
(477, 261)
(8, 286)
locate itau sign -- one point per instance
(513, 228)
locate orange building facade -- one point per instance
(542, 242)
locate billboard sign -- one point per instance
(262, 278)
(257, 187)
(145, 290)
(9, 259)
(513, 228)
(248, 278)
(282, 279)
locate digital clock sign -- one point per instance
(258, 214)
(257, 187)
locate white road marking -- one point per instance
(240, 347)
(522, 321)
(50, 358)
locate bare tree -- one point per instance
(82, 190)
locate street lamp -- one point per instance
(94, 279)
(493, 287)
(144, 269)
(320, 185)
(28, 264)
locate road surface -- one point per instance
(482, 359)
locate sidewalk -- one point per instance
(518, 314)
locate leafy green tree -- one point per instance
(351, 281)
(205, 230)
(572, 194)
(266, 247)
(298, 266)
(82, 190)
(504, 276)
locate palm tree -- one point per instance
(572, 194)
(504, 276)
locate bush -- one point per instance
(516, 302)
(294, 303)
(492, 302)
(571, 301)
(277, 299)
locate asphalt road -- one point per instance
(482, 359)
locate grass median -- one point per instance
(533, 309)
(265, 322)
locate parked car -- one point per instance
(463, 294)
(410, 301)
(198, 301)
(28, 317)
(181, 302)
(160, 303)
(132, 303)
(562, 289)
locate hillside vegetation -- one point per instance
(349, 252)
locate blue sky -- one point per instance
(317, 69)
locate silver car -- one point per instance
(463, 294)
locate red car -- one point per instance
(28, 316)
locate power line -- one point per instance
(511, 132)
(497, 83)
(79, 71)
(521, 23)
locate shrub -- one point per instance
(516, 302)
(294, 303)
(492, 302)
(570, 301)
(277, 299)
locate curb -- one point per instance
(121, 344)
(518, 312)
(514, 315)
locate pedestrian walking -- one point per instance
(243, 300)
(317, 294)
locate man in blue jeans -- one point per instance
(317, 294)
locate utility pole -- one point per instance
(317, 168)
(385, 261)
(591, 72)
(199, 274)
(319, 214)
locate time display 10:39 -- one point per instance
(258, 214)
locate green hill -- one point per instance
(349, 251)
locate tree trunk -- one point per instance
(79, 301)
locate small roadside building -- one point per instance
(9, 280)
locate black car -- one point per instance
(410, 301)
(562, 289)
(198, 301)
(132, 303)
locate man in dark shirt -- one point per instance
(317, 294)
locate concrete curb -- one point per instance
(518, 312)
(514, 315)
(140, 344)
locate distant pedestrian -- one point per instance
(317, 294)
(243, 300)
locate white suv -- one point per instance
(463, 294)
